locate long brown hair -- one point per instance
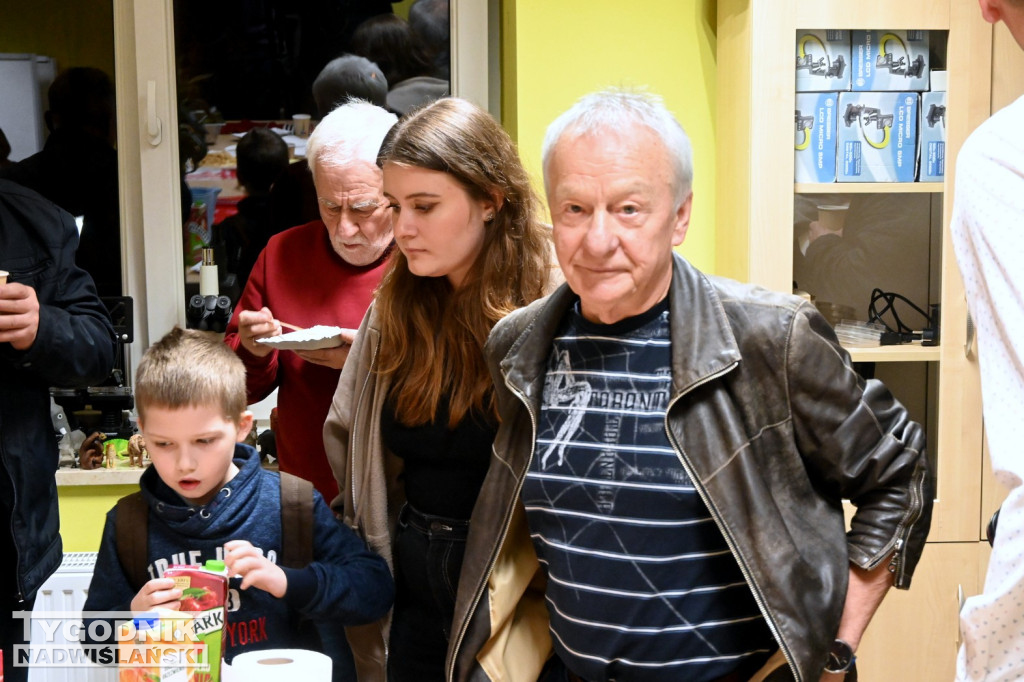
(432, 335)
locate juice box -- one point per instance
(185, 645)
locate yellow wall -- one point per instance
(79, 33)
(83, 509)
(554, 52)
(401, 8)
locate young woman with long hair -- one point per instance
(410, 431)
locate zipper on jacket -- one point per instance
(894, 560)
(897, 547)
(755, 590)
(31, 272)
(450, 673)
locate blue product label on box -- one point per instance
(934, 166)
(851, 159)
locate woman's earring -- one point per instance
(489, 217)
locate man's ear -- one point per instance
(991, 10)
(682, 221)
(244, 426)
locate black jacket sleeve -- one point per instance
(74, 345)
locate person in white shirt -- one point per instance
(988, 235)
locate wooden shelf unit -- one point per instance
(755, 210)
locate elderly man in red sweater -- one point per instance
(320, 273)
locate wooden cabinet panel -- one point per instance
(914, 635)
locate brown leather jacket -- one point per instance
(775, 429)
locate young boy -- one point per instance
(208, 498)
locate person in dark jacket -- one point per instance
(209, 498)
(54, 331)
(664, 500)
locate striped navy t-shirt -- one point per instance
(641, 583)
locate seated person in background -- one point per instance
(348, 77)
(320, 273)
(262, 158)
(77, 169)
(208, 498)
(388, 41)
(430, 22)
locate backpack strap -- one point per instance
(296, 521)
(132, 538)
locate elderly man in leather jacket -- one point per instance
(664, 500)
(54, 331)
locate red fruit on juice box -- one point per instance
(204, 592)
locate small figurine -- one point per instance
(111, 455)
(66, 451)
(90, 454)
(137, 450)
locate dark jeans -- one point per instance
(428, 558)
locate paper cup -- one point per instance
(832, 217)
(3, 276)
(300, 124)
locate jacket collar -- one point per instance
(703, 344)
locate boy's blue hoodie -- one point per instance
(346, 584)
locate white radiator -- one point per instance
(66, 591)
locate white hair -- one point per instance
(352, 132)
(617, 109)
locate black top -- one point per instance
(444, 468)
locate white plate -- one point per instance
(313, 338)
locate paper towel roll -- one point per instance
(275, 665)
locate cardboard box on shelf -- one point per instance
(877, 137)
(815, 141)
(822, 60)
(889, 60)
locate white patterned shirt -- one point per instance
(988, 236)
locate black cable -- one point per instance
(902, 333)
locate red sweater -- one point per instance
(300, 278)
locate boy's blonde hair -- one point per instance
(190, 368)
